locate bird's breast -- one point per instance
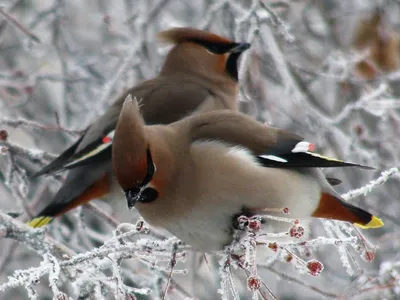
(216, 183)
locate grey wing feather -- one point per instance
(163, 103)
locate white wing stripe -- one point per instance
(274, 158)
(109, 138)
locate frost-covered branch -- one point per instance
(368, 188)
(312, 69)
(110, 255)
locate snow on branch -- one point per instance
(22, 123)
(368, 188)
(88, 267)
(69, 61)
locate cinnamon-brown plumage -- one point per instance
(199, 75)
(202, 171)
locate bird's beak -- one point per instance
(132, 197)
(240, 47)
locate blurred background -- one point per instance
(326, 70)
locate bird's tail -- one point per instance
(334, 207)
(39, 221)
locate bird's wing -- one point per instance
(272, 147)
(90, 157)
(60, 160)
(162, 102)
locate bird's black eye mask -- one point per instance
(231, 66)
(234, 50)
(142, 193)
(151, 169)
(216, 48)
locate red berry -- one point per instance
(273, 246)
(254, 224)
(314, 267)
(369, 256)
(253, 283)
(286, 210)
(3, 135)
(296, 232)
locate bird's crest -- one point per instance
(185, 34)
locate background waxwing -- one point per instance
(298, 76)
(379, 42)
(196, 176)
(200, 74)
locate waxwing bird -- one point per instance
(200, 74)
(194, 177)
(379, 42)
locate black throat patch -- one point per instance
(141, 193)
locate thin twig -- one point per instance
(302, 283)
(18, 25)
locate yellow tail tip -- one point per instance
(374, 223)
(39, 222)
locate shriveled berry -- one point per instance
(289, 258)
(296, 231)
(359, 129)
(286, 210)
(3, 135)
(273, 246)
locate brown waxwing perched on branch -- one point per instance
(196, 176)
(382, 44)
(199, 74)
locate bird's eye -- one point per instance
(148, 195)
(209, 51)
(216, 48)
